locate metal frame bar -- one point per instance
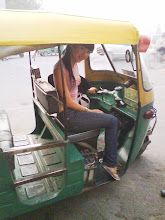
(38, 177)
(34, 147)
(64, 96)
(108, 57)
(55, 118)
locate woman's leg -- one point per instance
(84, 121)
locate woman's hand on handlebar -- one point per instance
(92, 90)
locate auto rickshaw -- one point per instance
(48, 164)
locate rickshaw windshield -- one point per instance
(145, 77)
(117, 55)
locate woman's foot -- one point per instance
(112, 171)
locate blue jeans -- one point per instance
(78, 121)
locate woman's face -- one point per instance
(79, 53)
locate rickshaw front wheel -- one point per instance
(45, 53)
(144, 146)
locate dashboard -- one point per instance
(122, 100)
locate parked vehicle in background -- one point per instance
(115, 51)
(21, 55)
(50, 51)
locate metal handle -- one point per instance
(34, 147)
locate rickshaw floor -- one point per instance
(36, 162)
(102, 176)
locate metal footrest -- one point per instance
(38, 177)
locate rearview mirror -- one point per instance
(128, 57)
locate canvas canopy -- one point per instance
(26, 30)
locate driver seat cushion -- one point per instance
(6, 137)
(83, 87)
(83, 136)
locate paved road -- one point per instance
(137, 195)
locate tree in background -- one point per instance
(24, 4)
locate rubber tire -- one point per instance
(5, 58)
(21, 55)
(45, 54)
(144, 146)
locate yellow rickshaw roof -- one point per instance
(37, 28)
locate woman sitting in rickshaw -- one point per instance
(79, 118)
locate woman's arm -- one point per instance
(69, 102)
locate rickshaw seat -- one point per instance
(83, 135)
(6, 137)
(83, 87)
(48, 98)
(35, 71)
(50, 79)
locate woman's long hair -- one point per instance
(66, 58)
(67, 62)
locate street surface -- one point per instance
(137, 195)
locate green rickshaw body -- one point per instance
(47, 165)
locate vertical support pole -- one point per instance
(64, 96)
(30, 62)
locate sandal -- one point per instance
(111, 173)
(120, 167)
